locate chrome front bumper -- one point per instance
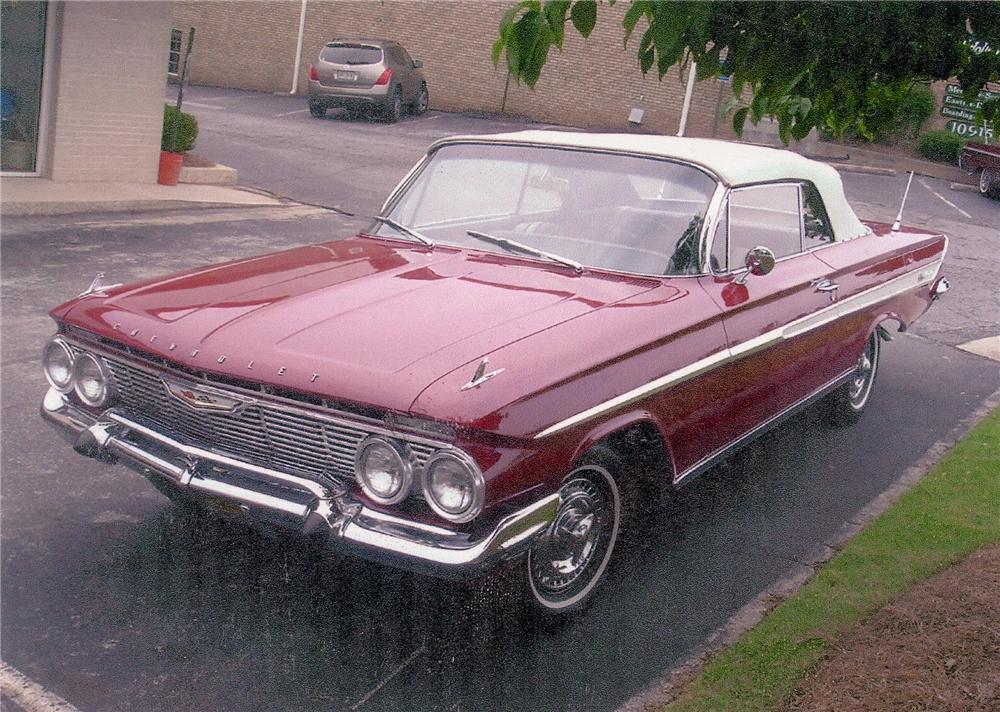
(296, 503)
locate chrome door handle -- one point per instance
(825, 285)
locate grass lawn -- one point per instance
(949, 514)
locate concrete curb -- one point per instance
(965, 187)
(672, 684)
(870, 170)
(32, 209)
(214, 175)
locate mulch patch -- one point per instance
(937, 647)
(195, 161)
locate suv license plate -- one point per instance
(345, 76)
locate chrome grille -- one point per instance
(263, 433)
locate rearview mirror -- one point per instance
(418, 64)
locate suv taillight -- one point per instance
(384, 78)
(313, 74)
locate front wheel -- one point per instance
(422, 102)
(846, 404)
(569, 560)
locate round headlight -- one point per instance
(383, 471)
(90, 380)
(57, 360)
(453, 486)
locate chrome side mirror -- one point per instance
(759, 261)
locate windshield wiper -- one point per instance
(512, 245)
(403, 230)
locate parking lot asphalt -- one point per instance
(115, 600)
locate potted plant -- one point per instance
(173, 143)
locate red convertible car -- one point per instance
(538, 330)
(984, 159)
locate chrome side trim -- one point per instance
(709, 460)
(850, 305)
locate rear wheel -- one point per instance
(316, 109)
(570, 560)
(394, 110)
(846, 404)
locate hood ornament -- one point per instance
(481, 376)
(98, 287)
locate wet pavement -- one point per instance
(117, 600)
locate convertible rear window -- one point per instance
(344, 53)
(619, 212)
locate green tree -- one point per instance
(806, 64)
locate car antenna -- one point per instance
(899, 216)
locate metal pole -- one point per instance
(298, 48)
(180, 92)
(687, 98)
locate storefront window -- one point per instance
(22, 51)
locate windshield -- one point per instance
(640, 215)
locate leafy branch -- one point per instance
(805, 64)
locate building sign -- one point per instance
(962, 113)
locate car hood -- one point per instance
(363, 320)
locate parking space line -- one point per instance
(385, 680)
(199, 105)
(29, 695)
(944, 199)
(289, 113)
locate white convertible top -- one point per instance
(733, 163)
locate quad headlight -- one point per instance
(383, 470)
(57, 361)
(452, 483)
(86, 374)
(453, 486)
(91, 380)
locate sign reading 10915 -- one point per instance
(963, 113)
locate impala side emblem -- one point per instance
(202, 398)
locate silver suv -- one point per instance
(367, 74)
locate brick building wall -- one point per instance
(591, 83)
(108, 104)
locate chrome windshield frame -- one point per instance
(710, 212)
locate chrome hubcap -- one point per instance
(574, 540)
(863, 374)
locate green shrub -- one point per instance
(916, 107)
(941, 146)
(894, 112)
(187, 129)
